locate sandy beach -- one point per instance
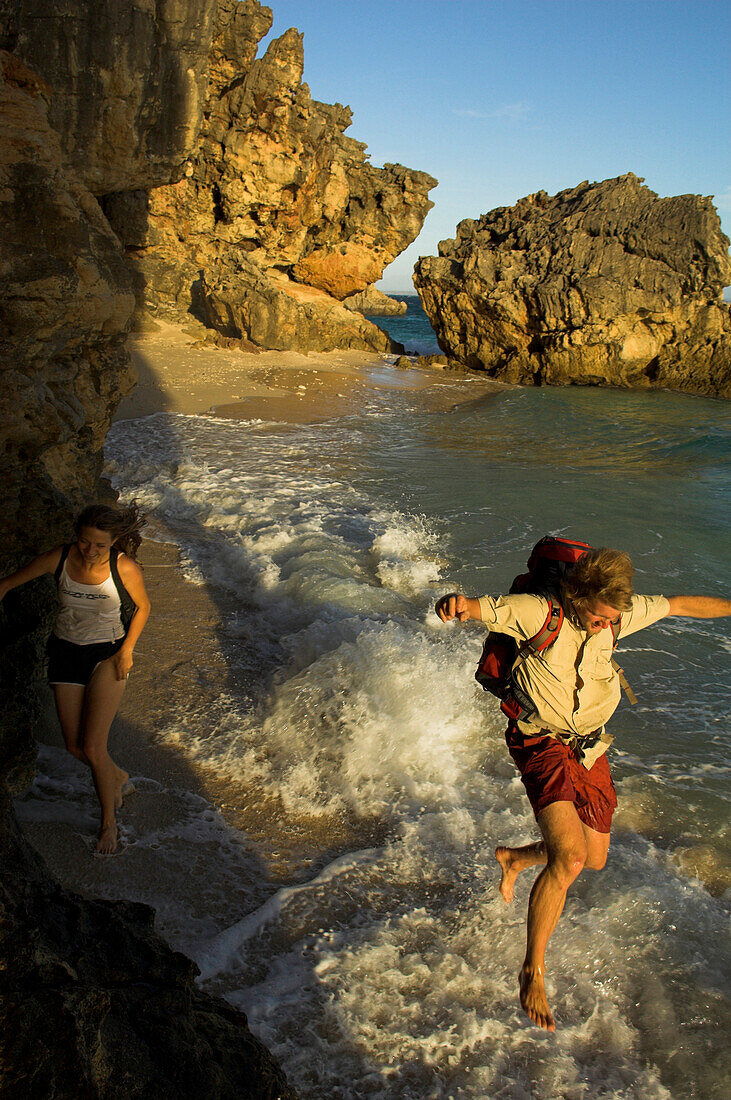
(176, 374)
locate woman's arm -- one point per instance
(699, 607)
(131, 576)
(45, 563)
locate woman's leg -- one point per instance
(69, 707)
(103, 695)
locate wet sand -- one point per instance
(175, 375)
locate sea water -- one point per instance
(385, 964)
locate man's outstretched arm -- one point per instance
(699, 607)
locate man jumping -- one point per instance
(560, 750)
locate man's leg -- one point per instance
(513, 861)
(567, 851)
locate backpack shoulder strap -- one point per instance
(546, 636)
(127, 604)
(59, 568)
(548, 633)
(114, 569)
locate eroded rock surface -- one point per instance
(205, 157)
(602, 284)
(92, 1002)
(275, 189)
(129, 80)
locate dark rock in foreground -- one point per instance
(94, 1004)
(603, 284)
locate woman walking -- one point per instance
(103, 607)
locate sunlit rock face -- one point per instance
(603, 284)
(274, 188)
(205, 157)
(95, 968)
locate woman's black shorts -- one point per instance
(69, 663)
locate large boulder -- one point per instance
(269, 310)
(604, 283)
(374, 303)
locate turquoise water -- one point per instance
(412, 329)
(386, 966)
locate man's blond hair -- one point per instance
(601, 576)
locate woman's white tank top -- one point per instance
(89, 613)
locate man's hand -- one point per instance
(456, 606)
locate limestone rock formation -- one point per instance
(94, 1004)
(272, 311)
(374, 303)
(238, 197)
(604, 283)
(129, 82)
(275, 184)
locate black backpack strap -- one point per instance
(127, 604)
(59, 568)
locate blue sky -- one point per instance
(500, 98)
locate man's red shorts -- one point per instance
(551, 772)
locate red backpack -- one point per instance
(550, 561)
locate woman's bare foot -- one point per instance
(510, 870)
(533, 997)
(106, 845)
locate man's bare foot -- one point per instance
(505, 858)
(533, 997)
(106, 845)
(122, 787)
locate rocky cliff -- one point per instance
(228, 185)
(275, 198)
(603, 284)
(67, 300)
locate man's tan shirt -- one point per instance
(572, 683)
